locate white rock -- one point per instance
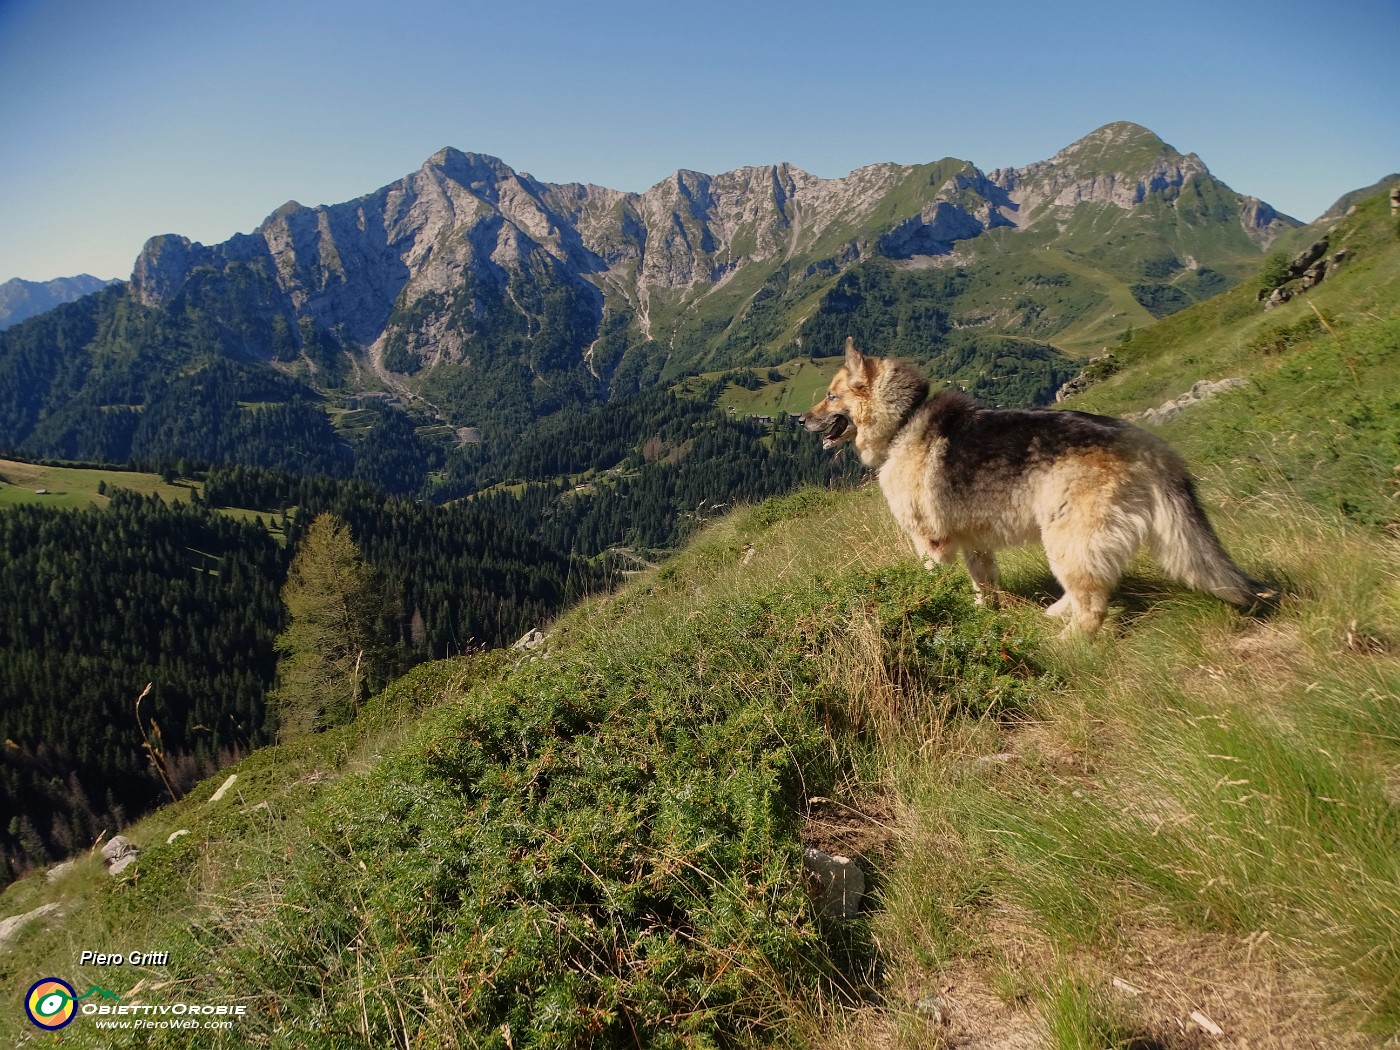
(836, 884)
(1201, 390)
(531, 639)
(120, 853)
(59, 870)
(223, 787)
(1206, 1023)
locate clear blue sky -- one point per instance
(123, 120)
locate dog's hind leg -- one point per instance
(1087, 579)
(1088, 605)
(982, 567)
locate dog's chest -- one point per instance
(908, 479)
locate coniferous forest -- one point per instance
(93, 606)
(96, 603)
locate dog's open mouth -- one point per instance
(839, 425)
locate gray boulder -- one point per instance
(531, 639)
(120, 854)
(1307, 257)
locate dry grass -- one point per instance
(987, 940)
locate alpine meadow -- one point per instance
(752, 775)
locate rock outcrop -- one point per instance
(1202, 390)
(10, 927)
(1099, 368)
(1308, 268)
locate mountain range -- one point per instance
(20, 299)
(483, 298)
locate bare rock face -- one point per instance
(932, 231)
(163, 266)
(1258, 216)
(965, 206)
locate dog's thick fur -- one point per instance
(960, 477)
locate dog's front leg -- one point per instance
(932, 552)
(982, 567)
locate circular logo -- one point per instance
(50, 1003)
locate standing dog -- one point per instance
(960, 477)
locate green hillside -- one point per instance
(1190, 825)
(73, 487)
(1321, 414)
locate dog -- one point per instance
(963, 478)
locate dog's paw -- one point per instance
(1060, 608)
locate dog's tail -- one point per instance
(1188, 549)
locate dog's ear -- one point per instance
(855, 364)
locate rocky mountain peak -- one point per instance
(1115, 139)
(477, 171)
(1121, 163)
(162, 267)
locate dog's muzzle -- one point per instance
(834, 427)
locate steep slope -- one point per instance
(1346, 201)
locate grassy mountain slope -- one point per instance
(1192, 821)
(1321, 414)
(72, 487)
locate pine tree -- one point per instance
(335, 649)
